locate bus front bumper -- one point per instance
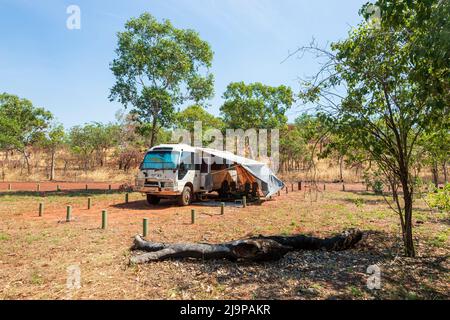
(158, 191)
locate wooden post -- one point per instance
(244, 201)
(145, 227)
(222, 208)
(287, 190)
(38, 187)
(58, 188)
(41, 209)
(69, 214)
(324, 187)
(109, 187)
(126, 197)
(104, 219)
(300, 186)
(86, 187)
(89, 203)
(192, 216)
(292, 187)
(9, 186)
(343, 187)
(367, 187)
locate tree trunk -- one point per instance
(254, 249)
(444, 170)
(435, 172)
(27, 161)
(408, 206)
(52, 166)
(154, 131)
(341, 164)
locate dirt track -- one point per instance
(52, 186)
(76, 186)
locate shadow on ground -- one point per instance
(324, 275)
(170, 203)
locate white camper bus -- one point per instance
(189, 173)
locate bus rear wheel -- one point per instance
(153, 200)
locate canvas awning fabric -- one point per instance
(269, 184)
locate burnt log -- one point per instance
(260, 248)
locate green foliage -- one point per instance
(378, 186)
(439, 198)
(358, 202)
(185, 119)
(356, 292)
(21, 124)
(4, 236)
(256, 106)
(293, 145)
(54, 138)
(299, 141)
(94, 138)
(158, 67)
(424, 28)
(435, 149)
(396, 89)
(440, 239)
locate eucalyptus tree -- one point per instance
(21, 125)
(54, 139)
(159, 67)
(256, 106)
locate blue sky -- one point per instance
(67, 71)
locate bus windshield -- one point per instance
(158, 160)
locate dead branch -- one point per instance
(253, 249)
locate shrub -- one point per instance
(439, 198)
(378, 186)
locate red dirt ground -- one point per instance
(35, 251)
(52, 186)
(76, 186)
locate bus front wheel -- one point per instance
(186, 196)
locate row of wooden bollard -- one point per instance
(144, 222)
(89, 206)
(222, 209)
(38, 188)
(69, 214)
(58, 187)
(300, 188)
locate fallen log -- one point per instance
(253, 249)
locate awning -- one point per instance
(269, 184)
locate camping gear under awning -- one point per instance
(269, 184)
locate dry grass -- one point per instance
(325, 170)
(36, 251)
(105, 174)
